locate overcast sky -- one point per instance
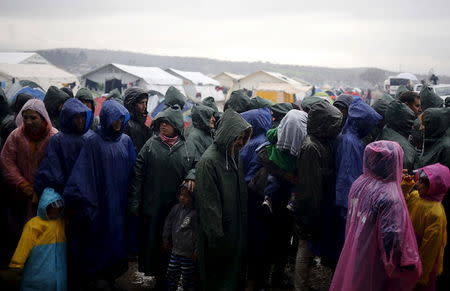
(405, 35)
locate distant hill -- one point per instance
(81, 61)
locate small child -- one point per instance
(41, 252)
(179, 236)
(428, 218)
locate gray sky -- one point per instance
(406, 35)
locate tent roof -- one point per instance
(24, 71)
(195, 77)
(285, 79)
(231, 75)
(286, 87)
(151, 75)
(16, 57)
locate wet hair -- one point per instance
(408, 97)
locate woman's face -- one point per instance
(32, 121)
(166, 129)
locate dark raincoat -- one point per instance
(402, 89)
(258, 102)
(437, 142)
(174, 97)
(97, 192)
(399, 121)
(9, 122)
(136, 128)
(158, 173)
(380, 106)
(309, 101)
(314, 208)
(279, 110)
(85, 95)
(350, 147)
(429, 99)
(63, 148)
(238, 101)
(116, 96)
(210, 102)
(200, 134)
(221, 203)
(54, 100)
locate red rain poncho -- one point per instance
(380, 250)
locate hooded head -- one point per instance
(132, 96)
(343, 103)
(259, 102)
(259, 119)
(231, 126)
(402, 89)
(436, 121)
(54, 100)
(50, 202)
(74, 108)
(279, 110)
(68, 91)
(447, 102)
(21, 99)
(309, 101)
(239, 101)
(429, 99)
(172, 116)
(85, 96)
(35, 105)
(324, 120)
(438, 177)
(201, 117)
(361, 119)
(381, 106)
(400, 118)
(174, 97)
(383, 160)
(210, 102)
(111, 112)
(115, 95)
(292, 131)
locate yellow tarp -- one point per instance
(276, 96)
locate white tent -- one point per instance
(228, 80)
(22, 58)
(147, 78)
(199, 86)
(44, 75)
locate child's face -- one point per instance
(185, 197)
(53, 213)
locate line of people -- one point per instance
(224, 203)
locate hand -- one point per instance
(190, 185)
(28, 190)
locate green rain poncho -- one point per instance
(221, 202)
(429, 99)
(200, 134)
(238, 101)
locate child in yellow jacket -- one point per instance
(428, 218)
(41, 252)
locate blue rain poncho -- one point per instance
(63, 149)
(97, 190)
(350, 147)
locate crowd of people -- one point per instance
(222, 204)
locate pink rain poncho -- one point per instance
(380, 250)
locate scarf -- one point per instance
(170, 141)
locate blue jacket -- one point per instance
(97, 189)
(350, 148)
(41, 251)
(261, 122)
(63, 148)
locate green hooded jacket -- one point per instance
(115, 95)
(174, 97)
(54, 100)
(399, 121)
(221, 204)
(258, 102)
(283, 159)
(437, 142)
(429, 99)
(158, 173)
(200, 135)
(239, 101)
(402, 89)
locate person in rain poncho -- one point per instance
(412, 99)
(239, 101)
(435, 122)
(97, 192)
(428, 218)
(258, 102)
(116, 96)
(54, 100)
(201, 132)
(221, 203)
(399, 123)
(309, 101)
(380, 250)
(279, 110)
(350, 148)
(174, 97)
(86, 97)
(161, 166)
(258, 234)
(9, 122)
(64, 147)
(316, 194)
(20, 158)
(211, 102)
(343, 103)
(135, 100)
(41, 252)
(429, 99)
(380, 106)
